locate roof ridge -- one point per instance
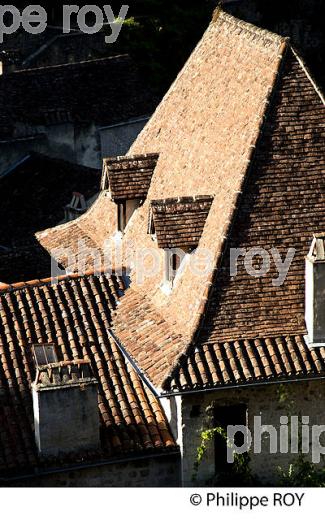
(134, 157)
(66, 65)
(4, 288)
(306, 70)
(219, 13)
(182, 199)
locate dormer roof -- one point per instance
(129, 177)
(179, 222)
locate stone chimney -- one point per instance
(76, 208)
(315, 291)
(65, 401)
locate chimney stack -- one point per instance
(65, 401)
(315, 292)
(76, 208)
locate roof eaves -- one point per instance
(6, 288)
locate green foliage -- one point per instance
(131, 22)
(161, 35)
(285, 400)
(239, 472)
(302, 473)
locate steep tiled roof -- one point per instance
(277, 204)
(75, 315)
(281, 207)
(151, 341)
(252, 329)
(129, 177)
(180, 222)
(103, 91)
(243, 121)
(249, 361)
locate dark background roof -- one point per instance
(160, 35)
(105, 91)
(33, 195)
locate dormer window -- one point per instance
(44, 354)
(178, 225)
(121, 215)
(125, 210)
(173, 261)
(127, 179)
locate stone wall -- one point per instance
(301, 398)
(147, 472)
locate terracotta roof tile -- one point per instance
(248, 362)
(74, 315)
(244, 122)
(146, 335)
(281, 207)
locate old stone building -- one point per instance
(232, 161)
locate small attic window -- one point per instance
(121, 215)
(125, 210)
(44, 354)
(173, 261)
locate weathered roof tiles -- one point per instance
(74, 315)
(179, 222)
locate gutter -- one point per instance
(127, 356)
(244, 385)
(75, 467)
